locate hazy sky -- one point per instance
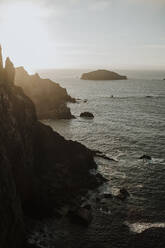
(84, 33)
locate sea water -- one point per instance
(129, 122)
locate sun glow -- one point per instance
(23, 34)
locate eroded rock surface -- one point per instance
(50, 98)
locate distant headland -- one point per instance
(102, 75)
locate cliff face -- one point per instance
(39, 169)
(50, 98)
(11, 217)
(102, 75)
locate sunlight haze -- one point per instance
(84, 34)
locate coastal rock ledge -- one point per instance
(102, 75)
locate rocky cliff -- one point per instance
(39, 169)
(50, 98)
(102, 75)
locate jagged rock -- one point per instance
(39, 169)
(50, 98)
(9, 72)
(87, 114)
(123, 194)
(102, 75)
(145, 157)
(1, 66)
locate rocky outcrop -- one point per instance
(39, 170)
(102, 75)
(50, 98)
(1, 65)
(9, 73)
(86, 115)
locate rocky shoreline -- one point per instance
(40, 171)
(45, 182)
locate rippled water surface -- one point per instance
(126, 126)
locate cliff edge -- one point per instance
(50, 98)
(39, 170)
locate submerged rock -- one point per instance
(123, 194)
(145, 157)
(102, 75)
(87, 114)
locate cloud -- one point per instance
(153, 2)
(155, 46)
(98, 5)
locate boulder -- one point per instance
(123, 194)
(87, 115)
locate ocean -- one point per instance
(126, 126)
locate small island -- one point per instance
(102, 75)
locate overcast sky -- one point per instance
(84, 33)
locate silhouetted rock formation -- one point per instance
(87, 115)
(1, 65)
(102, 75)
(145, 157)
(49, 98)
(9, 72)
(39, 169)
(11, 217)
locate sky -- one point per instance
(121, 34)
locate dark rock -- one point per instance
(1, 66)
(87, 114)
(100, 154)
(107, 196)
(145, 157)
(82, 216)
(11, 217)
(101, 179)
(50, 98)
(39, 169)
(9, 72)
(123, 194)
(102, 75)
